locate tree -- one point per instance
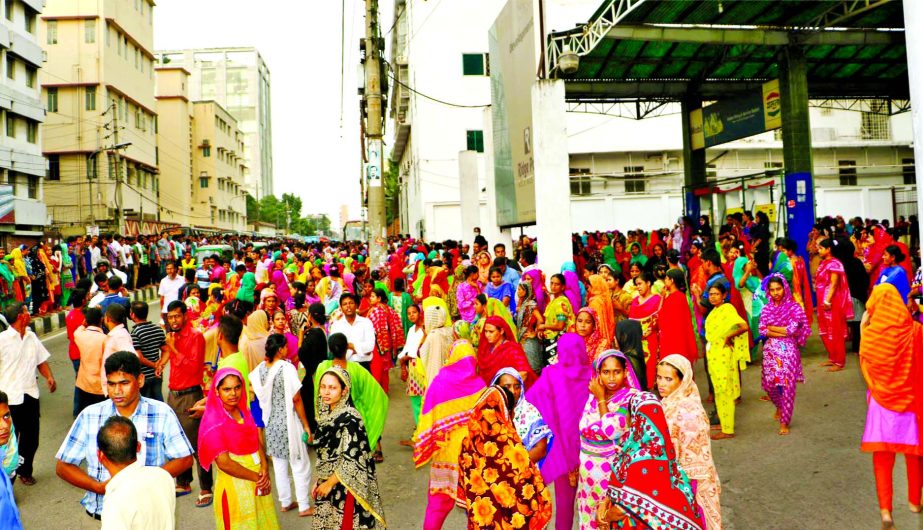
(253, 209)
(392, 192)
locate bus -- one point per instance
(355, 231)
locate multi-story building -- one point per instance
(175, 140)
(101, 137)
(22, 167)
(238, 80)
(219, 170)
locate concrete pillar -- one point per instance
(796, 146)
(694, 169)
(913, 34)
(490, 229)
(552, 185)
(469, 191)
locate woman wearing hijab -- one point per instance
(559, 317)
(688, 424)
(834, 305)
(40, 293)
(494, 460)
(533, 431)
(587, 326)
(893, 272)
(280, 283)
(602, 423)
(786, 328)
(891, 360)
(637, 256)
(21, 274)
(528, 317)
(277, 388)
(347, 492)
(574, 288)
(253, 342)
(490, 307)
(648, 489)
(600, 299)
(727, 354)
(229, 438)
(498, 349)
(561, 411)
(483, 261)
(675, 320)
(247, 285)
(645, 310)
(447, 407)
(437, 341)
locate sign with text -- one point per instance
(732, 119)
(373, 163)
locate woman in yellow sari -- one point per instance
(436, 298)
(492, 307)
(727, 353)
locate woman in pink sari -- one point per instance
(645, 309)
(834, 306)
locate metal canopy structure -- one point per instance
(664, 50)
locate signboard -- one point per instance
(740, 117)
(768, 209)
(514, 61)
(7, 205)
(373, 164)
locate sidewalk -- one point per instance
(50, 323)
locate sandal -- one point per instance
(289, 508)
(379, 457)
(182, 491)
(204, 500)
(27, 481)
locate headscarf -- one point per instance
(573, 287)
(19, 265)
(448, 402)
(534, 277)
(632, 378)
(483, 270)
(889, 355)
(433, 301)
(647, 482)
(493, 459)
(219, 432)
(508, 353)
(785, 313)
(686, 396)
(257, 332)
(561, 410)
(462, 329)
(439, 338)
(528, 421)
(526, 306)
(600, 299)
(594, 343)
(281, 285)
(247, 285)
(344, 450)
(628, 335)
(640, 259)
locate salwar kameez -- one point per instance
(236, 506)
(831, 323)
(725, 363)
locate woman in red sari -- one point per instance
(834, 306)
(497, 348)
(645, 309)
(675, 321)
(389, 336)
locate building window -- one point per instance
(10, 67)
(89, 31)
(634, 179)
(848, 173)
(203, 182)
(54, 167)
(207, 151)
(90, 97)
(52, 32)
(475, 64)
(33, 186)
(711, 171)
(876, 124)
(30, 76)
(476, 141)
(30, 21)
(10, 125)
(909, 171)
(31, 131)
(773, 168)
(52, 99)
(8, 8)
(580, 181)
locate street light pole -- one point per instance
(374, 129)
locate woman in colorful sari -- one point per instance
(574, 288)
(8, 284)
(528, 317)
(727, 353)
(447, 407)
(786, 328)
(535, 276)
(675, 320)
(253, 340)
(559, 317)
(389, 336)
(587, 326)
(347, 491)
(40, 294)
(645, 309)
(533, 431)
(891, 360)
(229, 438)
(23, 281)
(458, 279)
(602, 423)
(501, 290)
(689, 426)
(489, 307)
(498, 349)
(561, 411)
(834, 306)
(283, 292)
(648, 489)
(466, 293)
(483, 262)
(801, 284)
(893, 272)
(247, 285)
(437, 341)
(500, 485)
(67, 275)
(600, 299)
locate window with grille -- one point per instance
(580, 181)
(634, 179)
(52, 29)
(52, 99)
(89, 31)
(54, 167)
(909, 171)
(847, 171)
(33, 186)
(90, 103)
(475, 141)
(876, 124)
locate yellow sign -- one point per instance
(772, 105)
(768, 209)
(696, 129)
(731, 211)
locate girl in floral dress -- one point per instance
(603, 421)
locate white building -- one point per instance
(626, 173)
(238, 79)
(23, 215)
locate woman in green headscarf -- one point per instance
(67, 275)
(492, 307)
(637, 256)
(609, 259)
(7, 289)
(247, 286)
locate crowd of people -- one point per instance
(521, 381)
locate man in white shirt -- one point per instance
(102, 266)
(137, 496)
(21, 354)
(94, 253)
(358, 330)
(118, 339)
(169, 288)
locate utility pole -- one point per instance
(374, 128)
(119, 215)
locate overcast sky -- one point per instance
(313, 155)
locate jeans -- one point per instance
(76, 367)
(153, 388)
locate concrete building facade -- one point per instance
(22, 167)
(175, 141)
(218, 168)
(101, 138)
(237, 79)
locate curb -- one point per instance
(51, 323)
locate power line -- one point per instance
(431, 98)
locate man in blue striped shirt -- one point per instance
(163, 442)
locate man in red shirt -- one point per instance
(186, 349)
(72, 321)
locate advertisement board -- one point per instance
(732, 119)
(514, 57)
(7, 205)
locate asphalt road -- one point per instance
(816, 478)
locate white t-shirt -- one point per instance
(361, 333)
(140, 496)
(20, 356)
(169, 290)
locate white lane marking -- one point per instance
(63, 331)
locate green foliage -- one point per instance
(392, 192)
(286, 211)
